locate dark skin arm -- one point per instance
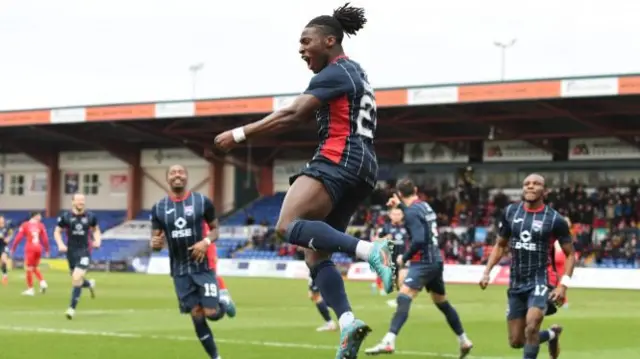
(157, 239)
(199, 250)
(499, 250)
(302, 109)
(214, 232)
(558, 294)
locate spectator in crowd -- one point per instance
(604, 220)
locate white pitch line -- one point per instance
(227, 341)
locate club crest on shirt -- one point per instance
(188, 210)
(536, 226)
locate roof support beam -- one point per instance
(607, 131)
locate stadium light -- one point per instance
(504, 46)
(195, 69)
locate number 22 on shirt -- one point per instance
(367, 115)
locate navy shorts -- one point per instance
(347, 190)
(427, 276)
(196, 289)
(3, 247)
(79, 259)
(313, 288)
(520, 300)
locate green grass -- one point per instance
(136, 316)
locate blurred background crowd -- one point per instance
(605, 223)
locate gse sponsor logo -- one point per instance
(525, 242)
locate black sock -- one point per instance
(3, 267)
(75, 296)
(205, 336)
(402, 313)
(324, 310)
(86, 284)
(531, 351)
(452, 317)
(331, 285)
(320, 236)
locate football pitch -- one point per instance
(136, 316)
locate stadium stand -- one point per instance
(605, 222)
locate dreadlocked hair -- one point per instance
(345, 20)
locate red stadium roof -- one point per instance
(536, 110)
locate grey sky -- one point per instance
(77, 52)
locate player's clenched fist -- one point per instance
(394, 201)
(484, 282)
(225, 141)
(157, 242)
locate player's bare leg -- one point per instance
(199, 317)
(453, 319)
(515, 329)
(302, 222)
(533, 322)
(306, 204)
(4, 262)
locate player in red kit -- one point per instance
(212, 257)
(36, 235)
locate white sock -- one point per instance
(345, 319)
(552, 334)
(462, 338)
(363, 250)
(389, 338)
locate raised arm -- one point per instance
(325, 86)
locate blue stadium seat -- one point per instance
(263, 209)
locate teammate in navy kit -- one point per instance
(394, 230)
(343, 171)
(81, 226)
(528, 231)
(425, 271)
(177, 219)
(5, 236)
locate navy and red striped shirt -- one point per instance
(347, 119)
(531, 234)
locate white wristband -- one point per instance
(565, 281)
(238, 134)
(207, 239)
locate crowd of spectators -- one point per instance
(605, 220)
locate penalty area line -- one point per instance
(272, 344)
